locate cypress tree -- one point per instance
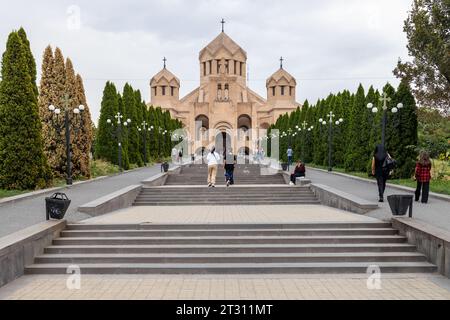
(105, 145)
(356, 158)
(46, 98)
(83, 139)
(407, 150)
(30, 59)
(22, 161)
(129, 105)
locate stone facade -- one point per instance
(223, 105)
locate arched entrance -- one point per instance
(201, 127)
(223, 142)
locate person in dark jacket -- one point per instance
(423, 176)
(380, 173)
(299, 171)
(229, 165)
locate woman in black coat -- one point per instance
(379, 156)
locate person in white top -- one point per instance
(213, 160)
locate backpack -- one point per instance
(389, 164)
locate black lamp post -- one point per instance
(66, 125)
(304, 129)
(331, 115)
(144, 129)
(118, 133)
(384, 99)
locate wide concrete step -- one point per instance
(235, 268)
(228, 240)
(218, 232)
(212, 226)
(239, 248)
(152, 197)
(226, 203)
(232, 258)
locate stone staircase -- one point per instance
(203, 196)
(244, 174)
(230, 249)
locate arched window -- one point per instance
(172, 91)
(204, 68)
(282, 90)
(235, 66)
(227, 89)
(156, 91)
(273, 91)
(163, 90)
(219, 92)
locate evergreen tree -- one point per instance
(23, 164)
(84, 138)
(356, 159)
(46, 98)
(407, 150)
(30, 59)
(130, 106)
(106, 146)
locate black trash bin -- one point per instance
(56, 206)
(284, 166)
(400, 203)
(165, 167)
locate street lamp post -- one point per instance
(331, 115)
(384, 99)
(305, 129)
(143, 129)
(118, 134)
(66, 125)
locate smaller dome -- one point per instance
(166, 77)
(279, 76)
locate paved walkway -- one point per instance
(436, 212)
(258, 287)
(25, 213)
(229, 214)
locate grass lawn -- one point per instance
(99, 168)
(438, 186)
(11, 193)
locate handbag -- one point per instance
(389, 164)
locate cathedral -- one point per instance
(223, 110)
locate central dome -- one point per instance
(220, 42)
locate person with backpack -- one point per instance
(423, 176)
(212, 159)
(382, 164)
(229, 165)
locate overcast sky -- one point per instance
(328, 45)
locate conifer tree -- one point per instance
(84, 138)
(23, 163)
(106, 146)
(407, 150)
(129, 105)
(30, 59)
(356, 159)
(47, 97)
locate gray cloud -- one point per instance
(329, 45)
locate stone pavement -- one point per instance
(229, 214)
(27, 212)
(258, 287)
(436, 212)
